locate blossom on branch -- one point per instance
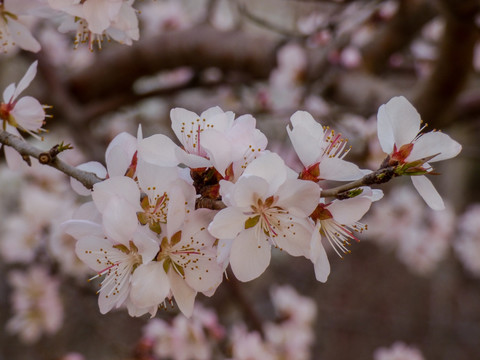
(26, 113)
(264, 207)
(411, 151)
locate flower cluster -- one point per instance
(290, 336)
(167, 220)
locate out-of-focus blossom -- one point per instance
(419, 236)
(467, 243)
(185, 339)
(36, 304)
(398, 351)
(13, 32)
(26, 113)
(93, 20)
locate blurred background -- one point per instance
(413, 278)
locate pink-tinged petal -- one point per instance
(154, 180)
(306, 137)
(90, 249)
(432, 143)
(27, 79)
(403, 119)
(207, 274)
(247, 190)
(176, 211)
(227, 223)
(227, 190)
(223, 252)
(82, 228)
(93, 167)
(8, 93)
(184, 295)
(306, 120)
(24, 39)
(146, 243)
(119, 220)
(87, 211)
(318, 256)
(119, 186)
(349, 211)
(181, 121)
(428, 192)
(191, 160)
(339, 170)
(29, 113)
(150, 285)
(299, 196)
(99, 14)
(218, 148)
(293, 236)
(14, 160)
(119, 154)
(250, 255)
(270, 167)
(159, 150)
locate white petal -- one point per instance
(150, 285)
(29, 113)
(27, 79)
(404, 120)
(339, 170)
(349, 211)
(82, 228)
(250, 255)
(176, 210)
(300, 195)
(24, 39)
(90, 250)
(184, 295)
(181, 121)
(428, 192)
(270, 167)
(227, 223)
(191, 160)
(432, 143)
(158, 149)
(99, 14)
(306, 137)
(146, 243)
(318, 256)
(118, 186)
(248, 189)
(119, 154)
(153, 176)
(119, 220)
(8, 93)
(293, 236)
(218, 148)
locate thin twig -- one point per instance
(88, 179)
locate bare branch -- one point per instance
(88, 179)
(379, 176)
(454, 63)
(199, 47)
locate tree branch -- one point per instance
(88, 179)
(199, 47)
(454, 63)
(379, 176)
